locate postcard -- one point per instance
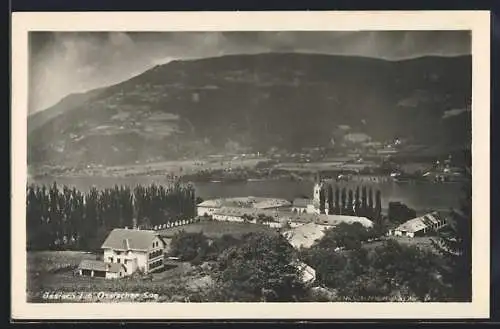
(250, 165)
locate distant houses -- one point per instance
(127, 251)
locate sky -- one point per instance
(61, 63)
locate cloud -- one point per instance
(67, 62)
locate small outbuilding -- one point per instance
(98, 268)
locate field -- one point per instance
(52, 272)
(215, 229)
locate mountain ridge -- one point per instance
(241, 102)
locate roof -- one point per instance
(129, 239)
(271, 203)
(305, 235)
(245, 202)
(236, 211)
(99, 265)
(302, 203)
(307, 272)
(210, 203)
(419, 223)
(334, 220)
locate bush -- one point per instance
(188, 246)
(259, 269)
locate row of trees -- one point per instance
(64, 217)
(359, 202)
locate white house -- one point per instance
(136, 249)
(125, 252)
(420, 225)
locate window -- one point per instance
(125, 261)
(118, 260)
(110, 259)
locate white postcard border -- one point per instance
(476, 21)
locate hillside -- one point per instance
(255, 102)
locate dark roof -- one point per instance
(300, 202)
(99, 265)
(129, 239)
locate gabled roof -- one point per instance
(129, 239)
(305, 235)
(99, 265)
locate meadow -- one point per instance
(53, 272)
(216, 229)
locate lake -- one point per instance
(420, 196)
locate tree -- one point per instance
(364, 204)
(259, 269)
(337, 200)
(369, 212)
(357, 201)
(322, 200)
(456, 248)
(188, 246)
(407, 268)
(399, 213)
(343, 205)
(221, 244)
(348, 236)
(331, 206)
(378, 207)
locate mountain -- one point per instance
(256, 102)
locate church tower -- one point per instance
(316, 193)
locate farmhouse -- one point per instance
(420, 226)
(125, 252)
(136, 249)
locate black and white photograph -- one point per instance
(252, 166)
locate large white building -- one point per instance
(210, 207)
(125, 252)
